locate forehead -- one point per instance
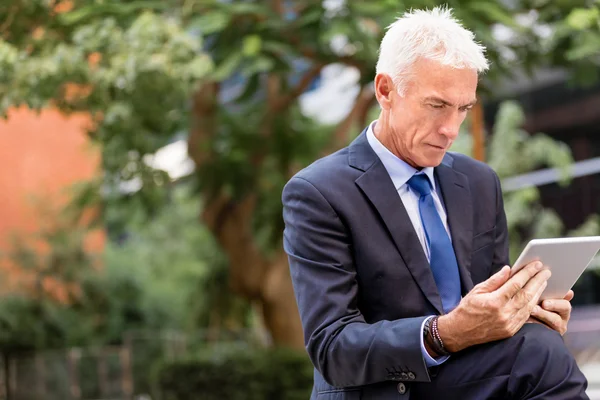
(430, 76)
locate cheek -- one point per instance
(427, 127)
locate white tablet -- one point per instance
(567, 258)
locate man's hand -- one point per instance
(555, 313)
(495, 309)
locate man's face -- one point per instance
(423, 124)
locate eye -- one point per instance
(438, 106)
(466, 109)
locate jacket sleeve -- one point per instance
(501, 250)
(345, 349)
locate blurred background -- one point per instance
(144, 146)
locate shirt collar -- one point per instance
(399, 170)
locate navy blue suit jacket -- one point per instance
(361, 279)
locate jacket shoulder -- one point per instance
(328, 170)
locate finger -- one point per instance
(495, 281)
(518, 280)
(533, 320)
(524, 302)
(551, 319)
(562, 307)
(570, 295)
(536, 297)
(531, 293)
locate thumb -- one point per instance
(495, 281)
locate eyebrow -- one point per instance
(436, 99)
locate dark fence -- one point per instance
(126, 372)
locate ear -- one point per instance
(384, 90)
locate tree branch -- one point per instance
(231, 223)
(305, 81)
(314, 56)
(273, 90)
(14, 10)
(323, 59)
(361, 106)
(229, 220)
(204, 122)
(278, 7)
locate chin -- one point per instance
(431, 161)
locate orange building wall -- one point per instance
(40, 157)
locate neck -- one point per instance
(385, 136)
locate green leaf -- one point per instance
(588, 46)
(547, 224)
(309, 18)
(368, 8)
(258, 65)
(227, 67)
(78, 15)
(495, 12)
(252, 86)
(277, 47)
(246, 8)
(200, 66)
(211, 22)
(251, 45)
(582, 18)
(585, 74)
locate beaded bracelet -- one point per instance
(438, 344)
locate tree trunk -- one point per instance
(280, 310)
(477, 132)
(252, 274)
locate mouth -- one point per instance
(438, 147)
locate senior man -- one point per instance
(398, 250)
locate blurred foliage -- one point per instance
(133, 65)
(229, 74)
(513, 151)
(575, 39)
(130, 69)
(240, 375)
(165, 276)
(184, 268)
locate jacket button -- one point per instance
(411, 375)
(404, 376)
(401, 388)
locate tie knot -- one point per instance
(420, 184)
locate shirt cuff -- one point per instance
(430, 361)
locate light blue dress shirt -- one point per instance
(401, 172)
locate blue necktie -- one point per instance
(442, 258)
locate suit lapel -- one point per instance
(457, 198)
(377, 185)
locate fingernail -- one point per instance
(547, 303)
(538, 265)
(537, 309)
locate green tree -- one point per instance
(230, 74)
(575, 41)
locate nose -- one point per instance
(451, 125)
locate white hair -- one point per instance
(435, 35)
